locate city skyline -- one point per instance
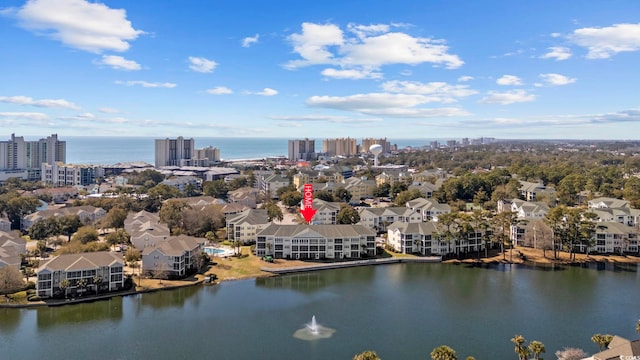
(437, 69)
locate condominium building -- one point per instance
(93, 271)
(316, 241)
(340, 147)
(367, 142)
(23, 159)
(206, 156)
(60, 174)
(173, 152)
(302, 149)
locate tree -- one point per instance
(81, 284)
(343, 194)
(347, 215)
(16, 207)
(171, 214)
(536, 348)
(367, 355)
(520, 348)
(86, 234)
(132, 255)
(64, 285)
(443, 352)
(445, 222)
(215, 188)
(10, 280)
(43, 229)
(601, 340)
(407, 195)
(382, 190)
(638, 327)
(570, 354)
(291, 198)
(69, 224)
(97, 280)
(115, 218)
(120, 236)
(502, 228)
(323, 195)
(273, 211)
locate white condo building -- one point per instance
(172, 152)
(23, 159)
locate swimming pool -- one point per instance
(213, 251)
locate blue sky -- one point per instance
(324, 69)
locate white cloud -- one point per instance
(602, 43)
(557, 52)
(325, 118)
(465, 78)
(353, 74)
(24, 115)
(146, 84)
(509, 97)
(48, 103)
(219, 90)
(250, 40)
(80, 24)
(556, 79)
(509, 80)
(363, 31)
(264, 92)
(447, 92)
(119, 63)
(372, 47)
(385, 104)
(108, 110)
(200, 64)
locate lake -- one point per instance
(402, 311)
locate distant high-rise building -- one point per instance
(451, 143)
(16, 153)
(340, 147)
(207, 156)
(302, 149)
(173, 152)
(366, 144)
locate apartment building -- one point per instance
(304, 149)
(95, 272)
(316, 242)
(426, 238)
(340, 147)
(22, 158)
(59, 174)
(173, 152)
(173, 258)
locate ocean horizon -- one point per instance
(106, 150)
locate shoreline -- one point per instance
(530, 257)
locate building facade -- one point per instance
(23, 159)
(95, 272)
(173, 152)
(302, 149)
(340, 147)
(316, 242)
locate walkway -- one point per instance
(346, 264)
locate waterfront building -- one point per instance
(302, 149)
(426, 238)
(94, 271)
(207, 156)
(173, 258)
(23, 159)
(245, 225)
(340, 147)
(316, 242)
(173, 152)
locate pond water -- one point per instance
(401, 311)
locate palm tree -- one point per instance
(443, 352)
(64, 285)
(601, 340)
(638, 327)
(536, 347)
(97, 280)
(520, 348)
(81, 284)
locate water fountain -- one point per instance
(313, 331)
